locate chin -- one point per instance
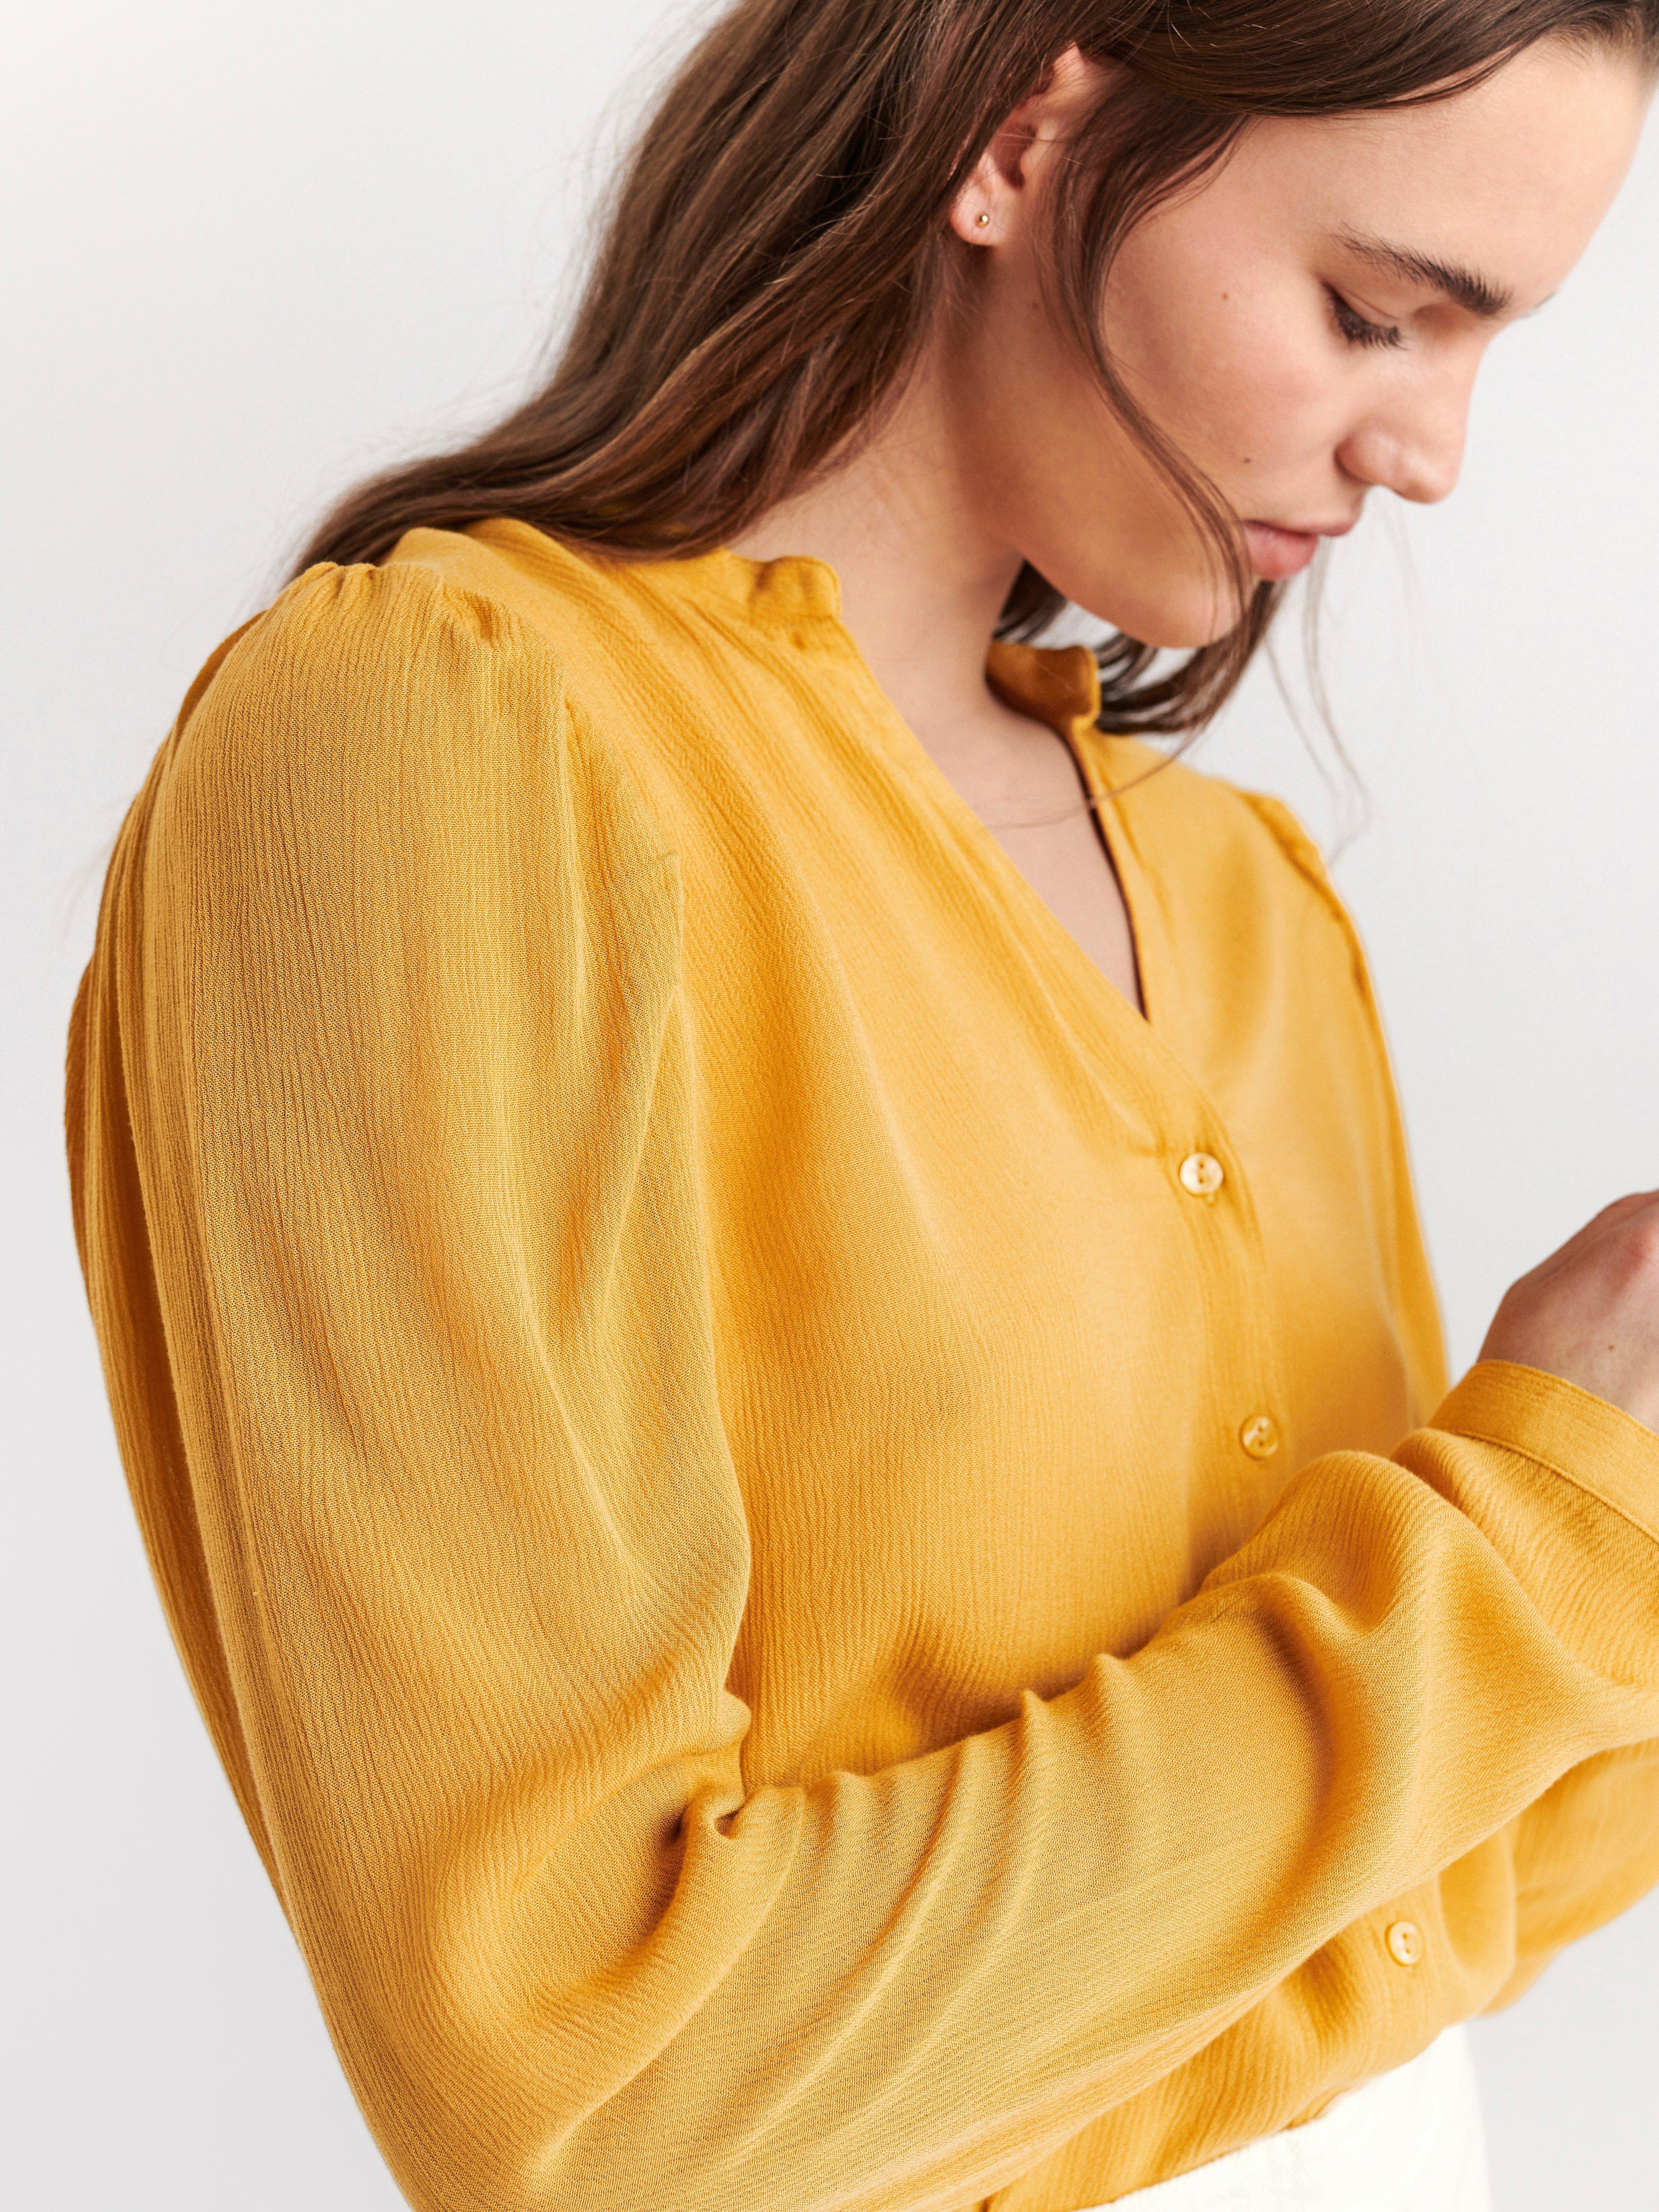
(1176, 607)
(1178, 635)
(1178, 622)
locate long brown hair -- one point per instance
(777, 249)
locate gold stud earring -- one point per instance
(981, 219)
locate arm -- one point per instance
(1590, 1847)
(1583, 1854)
(387, 987)
(1490, 1917)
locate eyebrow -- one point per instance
(1466, 286)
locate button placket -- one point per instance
(1202, 1174)
(1405, 1941)
(1216, 1178)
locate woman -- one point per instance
(759, 1282)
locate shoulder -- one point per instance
(1297, 861)
(369, 656)
(1241, 852)
(377, 827)
(406, 704)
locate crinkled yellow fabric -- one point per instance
(697, 1444)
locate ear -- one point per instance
(995, 202)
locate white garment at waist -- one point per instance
(1409, 2141)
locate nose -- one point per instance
(1413, 442)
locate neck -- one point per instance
(923, 578)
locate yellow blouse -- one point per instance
(824, 1563)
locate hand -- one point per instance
(1590, 1311)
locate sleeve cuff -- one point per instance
(1583, 1438)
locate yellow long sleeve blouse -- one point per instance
(806, 1610)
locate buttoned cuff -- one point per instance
(1586, 1440)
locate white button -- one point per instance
(1259, 1436)
(1405, 1941)
(1202, 1174)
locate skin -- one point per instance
(1268, 324)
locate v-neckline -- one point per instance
(796, 597)
(1108, 831)
(1110, 1030)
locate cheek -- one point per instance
(1214, 369)
(1228, 368)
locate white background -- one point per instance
(251, 250)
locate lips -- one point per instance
(1276, 551)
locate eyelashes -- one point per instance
(1354, 328)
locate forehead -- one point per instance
(1523, 164)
